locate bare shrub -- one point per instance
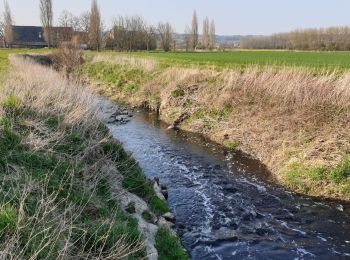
(69, 58)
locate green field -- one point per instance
(318, 60)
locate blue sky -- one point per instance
(231, 16)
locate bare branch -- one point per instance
(166, 35)
(194, 30)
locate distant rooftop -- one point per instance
(29, 35)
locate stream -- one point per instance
(224, 203)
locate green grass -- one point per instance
(243, 59)
(309, 179)
(232, 144)
(342, 172)
(147, 215)
(119, 78)
(8, 219)
(178, 93)
(169, 246)
(59, 174)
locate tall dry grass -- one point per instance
(46, 90)
(292, 88)
(53, 227)
(288, 88)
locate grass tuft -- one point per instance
(169, 246)
(8, 219)
(342, 171)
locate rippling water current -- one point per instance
(224, 204)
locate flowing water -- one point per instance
(225, 206)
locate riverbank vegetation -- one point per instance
(63, 177)
(290, 117)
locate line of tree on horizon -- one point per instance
(322, 39)
(127, 33)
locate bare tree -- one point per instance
(324, 39)
(46, 16)
(166, 35)
(131, 33)
(83, 22)
(206, 38)
(95, 27)
(136, 31)
(194, 30)
(67, 22)
(2, 27)
(150, 34)
(69, 58)
(81, 27)
(212, 36)
(2, 31)
(67, 19)
(7, 25)
(275, 41)
(188, 37)
(118, 35)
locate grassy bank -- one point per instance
(293, 120)
(62, 175)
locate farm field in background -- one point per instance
(244, 58)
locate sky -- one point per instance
(232, 17)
